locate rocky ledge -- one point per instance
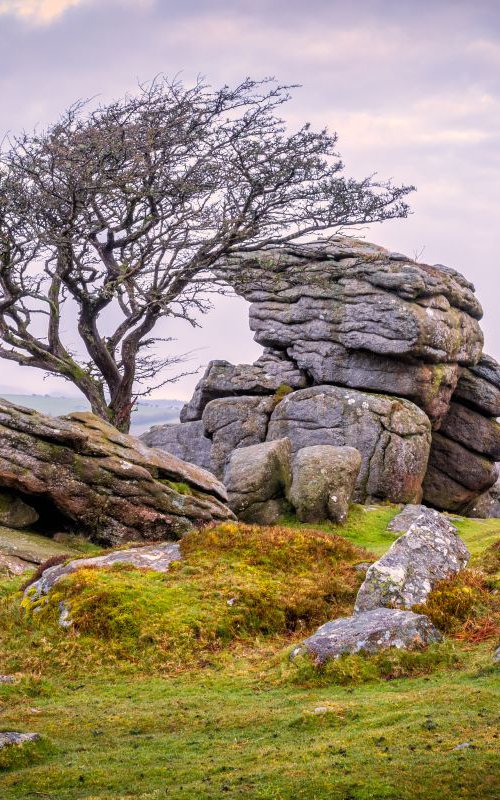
(79, 472)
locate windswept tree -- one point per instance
(113, 218)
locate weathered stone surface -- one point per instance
(479, 386)
(14, 512)
(455, 474)
(258, 479)
(153, 557)
(324, 479)
(235, 422)
(350, 314)
(370, 632)
(110, 484)
(487, 505)
(222, 379)
(430, 551)
(473, 430)
(360, 296)
(9, 738)
(186, 441)
(430, 386)
(31, 548)
(13, 565)
(392, 435)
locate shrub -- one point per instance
(464, 606)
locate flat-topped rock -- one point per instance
(369, 632)
(31, 548)
(156, 557)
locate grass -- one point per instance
(168, 690)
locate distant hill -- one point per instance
(148, 412)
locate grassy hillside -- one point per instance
(180, 686)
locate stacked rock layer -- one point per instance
(363, 347)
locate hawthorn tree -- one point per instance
(113, 219)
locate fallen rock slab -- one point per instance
(324, 479)
(113, 487)
(153, 557)
(8, 738)
(369, 632)
(487, 505)
(430, 551)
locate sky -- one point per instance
(412, 88)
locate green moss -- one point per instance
(179, 486)
(281, 392)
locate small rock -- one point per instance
(429, 552)
(14, 512)
(369, 632)
(7, 679)
(13, 737)
(496, 657)
(463, 746)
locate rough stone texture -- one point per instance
(369, 632)
(258, 479)
(392, 435)
(187, 442)
(14, 512)
(487, 505)
(429, 552)
(108, 483)
(361, 296)
(479, 386)
(430, 386)
(350, 314)
(31, 548)
(13, 565)
(455, 474)
(153, 557)
(8, 738)
(222, 379)
(235, 422)
(324, 478)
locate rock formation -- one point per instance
(323, 482)
(81, 472)
(363, 347)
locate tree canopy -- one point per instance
(115, 216)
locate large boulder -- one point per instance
(258, 480)
(369, 632)
(324, 479)
(108, 484)
(392, 435)
(430, 551)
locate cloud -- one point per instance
(40, 11)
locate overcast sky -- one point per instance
(411, 86)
